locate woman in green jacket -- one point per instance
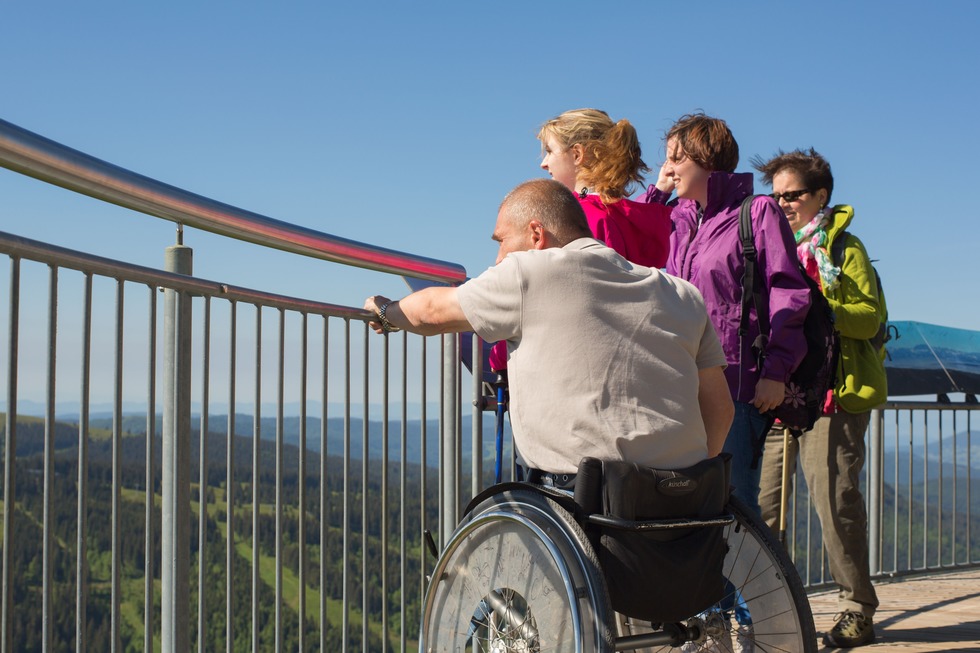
(833, 453)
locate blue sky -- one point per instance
(404, 124)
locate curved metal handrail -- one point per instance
(36, 156)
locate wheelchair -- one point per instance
(520, 575)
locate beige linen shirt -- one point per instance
(603, 356)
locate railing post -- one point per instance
(176, 458)
(9, 466)
(477, 424)
(452, 459)
(874, 465)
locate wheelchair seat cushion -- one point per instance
(660, 575)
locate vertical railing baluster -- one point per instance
(925, 490)
(476, 424)
(910, 493)
(9, 455)
(324, 512)
(117, 469)
(149, 493)
(280, 381)
(346, 519)
(895, 501)
(47, 587)
(969, 487)
(444, 464)
(952, 526)
(301, 527)
(81, 541)
(202, 492)
(230, 480)
(402, 503)
(424, 464)
(457, 404)
(256, 440)
(383, 528)
(940, 498)
(365, 524)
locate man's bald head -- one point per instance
(550, 203)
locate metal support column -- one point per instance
(176, 458)
(874, 466)
(449, 432)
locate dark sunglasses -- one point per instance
(790, 196)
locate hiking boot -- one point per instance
(852, 629)
(744, 637)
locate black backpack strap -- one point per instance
(750, 291)
(748, 257)
(837, 249)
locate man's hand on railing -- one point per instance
(428, 312)
(379, 305)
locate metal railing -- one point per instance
(919, 486)
(348, 541)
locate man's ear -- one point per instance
(539, 235)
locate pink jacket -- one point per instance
(639, 232)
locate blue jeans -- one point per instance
(748, 428)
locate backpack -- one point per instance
(885, 332)
(806, 389)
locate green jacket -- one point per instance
(859, 311)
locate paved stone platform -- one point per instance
(935, 612)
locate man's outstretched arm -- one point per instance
(428, 312)
(717, 409)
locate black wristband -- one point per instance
(382, 317)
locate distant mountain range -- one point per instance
(69, 410)
(336, 435)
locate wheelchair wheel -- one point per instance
(765, 577)
(517, 576)
(763, 584)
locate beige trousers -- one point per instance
(832, 456)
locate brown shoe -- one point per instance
(852, 629)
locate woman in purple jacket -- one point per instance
(705, 249)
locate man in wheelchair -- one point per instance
(617, 391)
(606, 359)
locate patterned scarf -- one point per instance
(811, 248)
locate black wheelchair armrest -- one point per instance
(608, 521)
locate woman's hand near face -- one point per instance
(665, 181)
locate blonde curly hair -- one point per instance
(612, 161)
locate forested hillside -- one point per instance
(27, 552)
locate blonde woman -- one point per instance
(600, 161)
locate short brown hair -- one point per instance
(550, 203)
(706, 141)
(811, 167)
